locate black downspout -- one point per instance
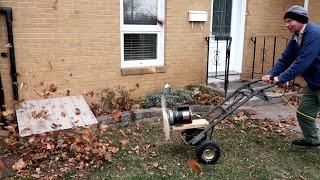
(13, 72)
(9, 18)
(2, 108)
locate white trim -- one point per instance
(306, 4)
(156, 29)
(238, 31)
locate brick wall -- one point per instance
(264, 18)
(314, 14)
(76, 45)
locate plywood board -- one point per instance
(196, 123)
(41, 116)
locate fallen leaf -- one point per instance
(117, 113)
(4, 133)
(121, 167)
(68, 92)
(7, 112)
(10, 142)
(153, 154)
(10, 129)
(31, 139)
(1, 165)
(19, 165)
(114, 150)
(77, 111)
(194, 165)
(123, 133)
(123, 142)
(69, 73)
(63, 114)
(103, 127)
(8, 45)
(52, 87)
(50, 65)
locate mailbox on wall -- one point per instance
(198, 16)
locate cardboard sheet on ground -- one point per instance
(41, 116)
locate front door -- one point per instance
(227, 20)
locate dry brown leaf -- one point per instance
(114, 150)
(153, 154)
(8, 112)
(123, 133)
(121, 167)
(195, 166)
(63, 114)
(69, 73)
(88, 93)
(68, 92)
(240, 113)
(77, 111)
(117, 113)
(8, 45)
(19, 165)
(103, 127)
(123, 142)
(10, 129)
(52, 87)
(31, 139)
(4, 133)
(10, 142)
(1, 165)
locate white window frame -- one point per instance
(144, 29)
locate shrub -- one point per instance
(116, 99)
(173, 98)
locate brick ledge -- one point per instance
(143, 70)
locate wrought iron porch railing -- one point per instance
(217, 61)
(264, 44)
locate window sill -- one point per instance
(143, 70)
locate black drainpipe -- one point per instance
(13, 72)
(9, 18)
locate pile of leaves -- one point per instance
(203, 95)
(59, 151)
(294, 87)
(242, 121)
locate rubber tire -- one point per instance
(208, 145)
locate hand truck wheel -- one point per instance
(208, 152)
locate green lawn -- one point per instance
(247, 152)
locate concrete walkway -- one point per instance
(274, 110)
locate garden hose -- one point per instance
(316, 119)
(294, 108)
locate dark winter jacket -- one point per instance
(303, 60)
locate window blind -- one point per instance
(140, 47)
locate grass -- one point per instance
(247, 153)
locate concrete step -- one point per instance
(220, 76)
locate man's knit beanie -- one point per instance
(297, 13)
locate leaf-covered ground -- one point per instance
(251, 149)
